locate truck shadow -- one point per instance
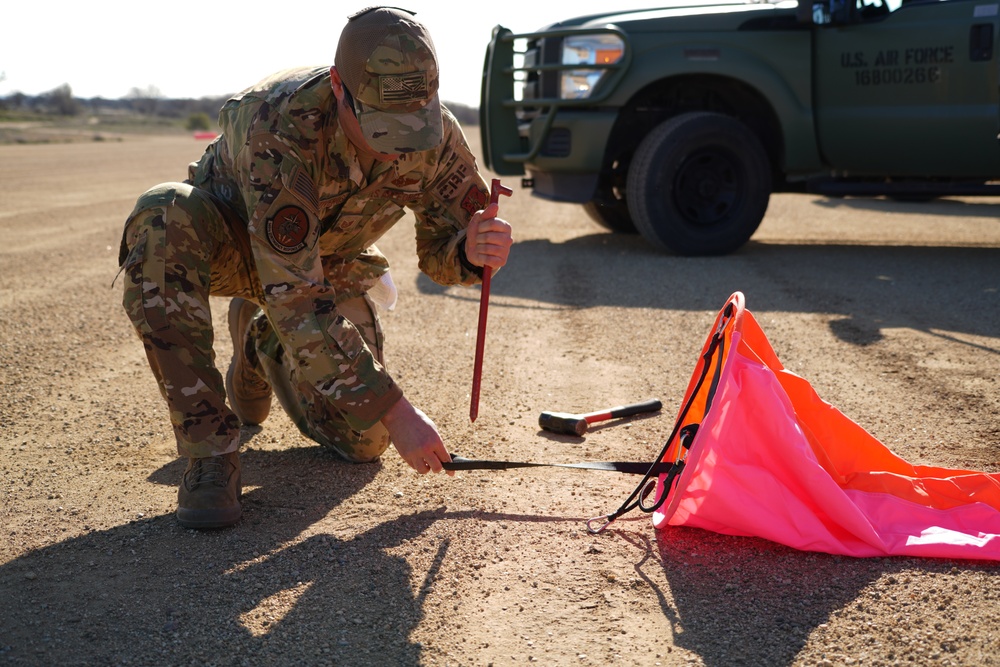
(942, 206)
(941, 290)
(152, 592)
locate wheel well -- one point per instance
(665, 99)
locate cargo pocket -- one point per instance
(143, 298)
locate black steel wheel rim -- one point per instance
(707, 187)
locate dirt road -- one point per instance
(890, 310)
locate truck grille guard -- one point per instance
(501, 114)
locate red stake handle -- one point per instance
(484, 303)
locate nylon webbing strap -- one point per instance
(627, 467)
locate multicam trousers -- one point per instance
(179, 247)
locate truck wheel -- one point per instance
(699, 184)
(611, 214)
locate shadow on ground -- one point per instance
(748, 601)
(926, 288)
(151, 592)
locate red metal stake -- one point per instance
(484, 303)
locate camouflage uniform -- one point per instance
(282, 210)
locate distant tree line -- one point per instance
(144, 101)
(148, 102)
(466, 115)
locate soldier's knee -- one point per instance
(185, 215)
(362, 447)
(160, 199)
(150, 211)
(161, 231)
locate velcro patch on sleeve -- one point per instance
(475, 199)
(458, 174)
(288, 230)
(304, 187)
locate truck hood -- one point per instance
(670, 15)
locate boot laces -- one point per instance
(209, 470)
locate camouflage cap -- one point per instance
(387, 61)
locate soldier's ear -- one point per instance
(339, 90)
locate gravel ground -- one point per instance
(890, 310)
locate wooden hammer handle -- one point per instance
(652, 405)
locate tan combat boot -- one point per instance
(249, 393)
(209, 495)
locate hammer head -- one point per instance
(563, 422)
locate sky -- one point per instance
(186, 49)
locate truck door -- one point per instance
(913, 92)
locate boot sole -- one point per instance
(208, 518)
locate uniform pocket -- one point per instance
(136, 253)
(143, 298)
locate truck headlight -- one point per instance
(593, 49)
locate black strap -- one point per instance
(627, 467)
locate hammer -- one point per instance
(563, 422)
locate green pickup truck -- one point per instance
(680, 122)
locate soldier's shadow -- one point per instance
(267, 591)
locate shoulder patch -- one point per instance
(303, 186)
(288, 229)
(475, 199)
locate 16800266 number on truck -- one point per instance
(679, 122)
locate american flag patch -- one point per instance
(396, 88)
(303, 186)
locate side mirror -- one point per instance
(824, 12)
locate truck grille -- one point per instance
(559, 143)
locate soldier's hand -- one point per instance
(488, 238)
(416, 438)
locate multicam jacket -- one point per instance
(313, 209)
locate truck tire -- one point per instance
(699, 184)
